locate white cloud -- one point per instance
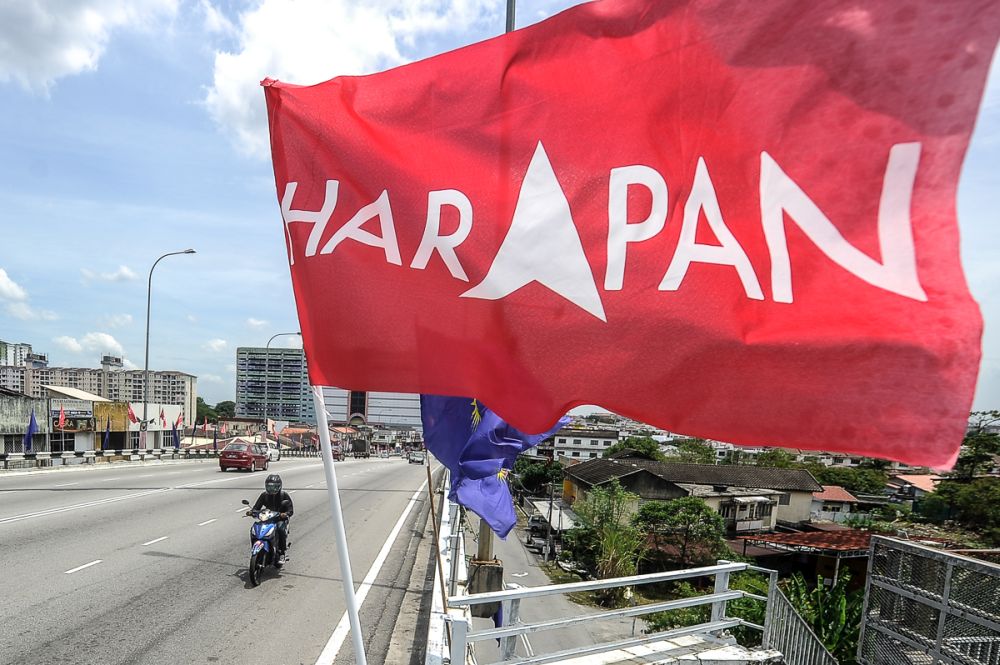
(45, 40)
(216, 344)
(25, 312)
(92, 342)
(191, 318)
(117, 320)
(9, 289)
(210, 378)
(215, 21)
(128, 364)
(309, 41)
(123, 274)
(256, 323)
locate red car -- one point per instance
(250, 456)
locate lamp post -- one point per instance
(267, 376)
(145, 377)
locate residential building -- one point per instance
(14, 354)
(16, 409)
(833, 503)
(386, 409)
(275, 380)
(577, 443)
(749, 498)
(910, 487)
(109, 382)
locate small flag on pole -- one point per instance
(62, 418)
(163, 419)
(32, 428)
(177, 438)
(107, 434)
(131, 415)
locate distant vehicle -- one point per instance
(238, 455)
(273, 451)
(338, 453)
(538, 525)
(360, 448)
(417, 457)
(384, 454)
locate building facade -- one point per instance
(170, 387)
(15, 354)
(579, 444)
(275, 381)
(373, 408)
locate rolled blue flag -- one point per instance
(479, 448)
(32, 428)
(107, 434)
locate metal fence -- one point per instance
(926, 606)
(788, 632)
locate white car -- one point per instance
(273, 451)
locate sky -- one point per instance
(133, 128)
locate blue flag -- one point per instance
(107, 434)
(479, 449)
(32, 428)
(215, 441)
(177, 438)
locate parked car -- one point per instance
(417, 457)
(538, 525)
(239, 455)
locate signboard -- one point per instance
(73, 425)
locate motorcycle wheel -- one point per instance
(256, 568)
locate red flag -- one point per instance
(131, 415)
(731, 220)
(224, 428)
(163, 418)
(206, 425)
(180, 420)
(62, 418)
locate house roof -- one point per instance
(924, 482)
(834, 493)
(798, 480)
(702, 491)
(600, 470)
(75, 393)
(848, 540)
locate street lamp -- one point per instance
(145, 379)
(267, 375)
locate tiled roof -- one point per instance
(926, 483)
(842, 541)
(834, 493)
(797, 480)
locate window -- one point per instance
(784, 499)
(576, 453)
(593, 455)
(728, 511)
(562, 440)
(577, 442)
(595, 442)
(607, 443)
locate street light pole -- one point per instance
(145, 377)
(267, 376)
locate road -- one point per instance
(147, 564)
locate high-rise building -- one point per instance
(277, 379)
(373, 408)
(14, 354)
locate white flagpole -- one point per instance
(340, 535)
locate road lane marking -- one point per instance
(155, 540)
(292, 491)
(86, 565)
(65, 484)
(146, 475)
(108, 480)
(207, 522)
(343, 628)
(243, 509)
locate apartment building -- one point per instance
(275, 380)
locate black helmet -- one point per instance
(272, 484)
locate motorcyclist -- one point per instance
(276, 499)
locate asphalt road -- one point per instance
(147, 564)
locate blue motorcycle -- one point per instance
(263, 542)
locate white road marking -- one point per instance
(86, 565)
(156, 540)
(108, 480)
(243, 509)
(146, 475)
(343, 628)
(292, 491)
(65, 484)
(207, 522)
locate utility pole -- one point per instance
(548, 526)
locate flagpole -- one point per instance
(340, 535)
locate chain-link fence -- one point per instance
(929, 606)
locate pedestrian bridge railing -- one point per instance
(804, 647)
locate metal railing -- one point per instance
(793, 633)
(929, 606)
(789, 633)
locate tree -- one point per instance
(776, 458)
(974, 504)
(205, 411)
(688, 528)
(605, 542)
(226, 409)
(865, 481)
(834, 613)
(693, 451)
(533, 476)
(979, 445)
(644, 445)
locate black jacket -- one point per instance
(279, 502)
